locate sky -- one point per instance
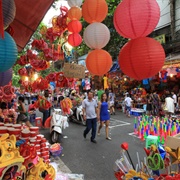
(54, 12)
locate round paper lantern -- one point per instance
(74, 39)
(98, 62)
(96, 35)
(137, 18)
(5, 77)
(8, 52)
(9, 12)
(72, 3)
(94, 10)
(74, 26)
(75, 13)
(141, 58)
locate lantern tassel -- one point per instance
(1, 21)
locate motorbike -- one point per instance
(77, 115)
(58, 123)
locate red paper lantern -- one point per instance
(137, 18)
(94, 10)
(98, 62)
(74, 26)
(74, 39)
(74, 13)
(141, 58)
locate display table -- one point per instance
(137, 111)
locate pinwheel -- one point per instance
(174, 154)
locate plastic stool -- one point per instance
(151, 140)
(38, 122)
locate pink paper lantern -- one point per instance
(74, 39)
(96, 35)
(136, 18)
(141, 58)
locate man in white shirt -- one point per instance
(175, 98)
(128, 104)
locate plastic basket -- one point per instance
(57, 152)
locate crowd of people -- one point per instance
(157, 104)
(97, 105)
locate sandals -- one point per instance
(108, 138)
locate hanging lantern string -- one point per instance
(1, 21)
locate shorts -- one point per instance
(111, 103)
(128, 108)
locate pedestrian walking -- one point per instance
(128, 103)
(90, 114)
(103, 107)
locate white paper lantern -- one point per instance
(72, 3)
(96, 35)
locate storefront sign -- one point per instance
(161, 39)
(74, 70)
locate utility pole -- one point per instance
(172, 14)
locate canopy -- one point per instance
(29, 13)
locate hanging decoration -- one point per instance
(94, 10)
(141, 58)
(74, 26)
(73, 3)
(5, 77)
(96, 36)
(8, 52)
(61, 81)
(9, 12)
(98, 62)
(137, 18)
(74, 39)
(74, 13)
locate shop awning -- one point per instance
(29, 13)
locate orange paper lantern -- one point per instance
(74, 26)
(74, 39)
(98, 62)
(141, 58)
(94, 10)
(75, 13)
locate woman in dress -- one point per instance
(104, 114)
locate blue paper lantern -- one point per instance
(5, 77)
(8, 52)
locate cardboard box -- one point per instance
(173, 141)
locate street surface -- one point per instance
(96, 161)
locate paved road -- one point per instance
(96, 161)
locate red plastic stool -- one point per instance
(38, 122)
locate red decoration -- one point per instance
(23, 72)
(124, 146)
(61, 81)
(51, 77)
(98, 62)
(74, 26)
(137, 18)
(42, 103)
(141, 58)
(74, 39)
(94, 10)
(39, 64)
(39, 44)
(74, 13)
